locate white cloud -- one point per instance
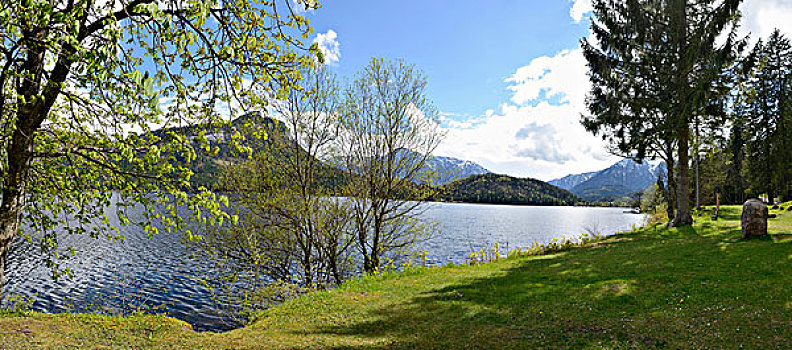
(579, 9)
(328, 43)
(761, 17)
(538, 132)
(302, 7)
(550, 77)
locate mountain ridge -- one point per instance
(613, 183)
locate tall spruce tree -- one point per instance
(737, 109)
(652, 66)
(769, 118)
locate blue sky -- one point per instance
(507, 75)
(466, 47)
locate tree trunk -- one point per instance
(683, 216)
(375, 248)
(308, 271)
(670, 193)
(13, 201)
(19, 151)
(9, 225)
(334, 269)
(682, 111)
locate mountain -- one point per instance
(448, 169)
(572, 180)
(615, 182)
(437, 170)
(207, 168)
(503, 189)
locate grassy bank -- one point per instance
(695, 287)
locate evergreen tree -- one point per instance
(769, 123)
(652, 68)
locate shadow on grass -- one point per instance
(626, 294)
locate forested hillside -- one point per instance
(503, 189)
(259, 133)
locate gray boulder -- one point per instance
(754, 218)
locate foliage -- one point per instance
(290, 230)
(652, 68)
(84, 83)
(556, 245)
(388, 132)
(768, 118)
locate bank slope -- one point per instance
(503, 189)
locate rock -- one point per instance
(754, 218)
(774, 207)
(789, 208)
(772, 216)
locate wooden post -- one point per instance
(717, 202)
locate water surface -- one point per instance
(466, 227)
(159, 273)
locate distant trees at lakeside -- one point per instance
(748, 151)
(672, 80)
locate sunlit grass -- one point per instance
(694, 287)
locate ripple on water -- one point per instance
(161, 272)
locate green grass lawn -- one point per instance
(696, 287)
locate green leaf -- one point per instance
(148, 86)
(154, 103)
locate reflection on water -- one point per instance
(159, 275)
(468, 227)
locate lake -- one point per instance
(467, 227)
(158, 273)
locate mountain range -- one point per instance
(447, 169)
(441, 170)
(613, 183)
(455, 179)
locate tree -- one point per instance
(291, 228)
(83, 84)
(388, 132)
(769, 117)
(651, 70)
(738, 107)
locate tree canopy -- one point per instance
(85, 82)
(652, 65)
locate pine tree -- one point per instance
(651, 68)
(769, 124)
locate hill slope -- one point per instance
(208, 168)
(503, 189)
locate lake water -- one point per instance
(159, 272)
(467, 227)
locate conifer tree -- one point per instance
(651, 68)
(769, 117)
